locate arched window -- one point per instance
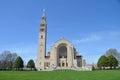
(41, 36)
(63, 52)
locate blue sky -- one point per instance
(93, 26)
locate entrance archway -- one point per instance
(62, 52)
(63, 64)
(62, 55)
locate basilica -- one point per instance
(62, 54)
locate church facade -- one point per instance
(62, 55)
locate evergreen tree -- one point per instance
(18, 64)
(31, 64)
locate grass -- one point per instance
(60, 75)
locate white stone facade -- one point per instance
(62, 55)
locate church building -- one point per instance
(62, 54)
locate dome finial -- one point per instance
(43, 15)
(43, 10)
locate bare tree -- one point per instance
(113, 52)
(6, 60)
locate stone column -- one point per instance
(65, 63)
(72, 56)
(69, 56)
(55, 55)
(60, 64)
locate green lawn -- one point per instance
(60, 75)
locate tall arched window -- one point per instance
(63, 52)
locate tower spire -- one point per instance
(43, 21)
(44, 15)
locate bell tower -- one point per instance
(42, 43)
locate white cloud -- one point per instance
(88, 39)
(97, 36)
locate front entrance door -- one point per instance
(63, 64)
